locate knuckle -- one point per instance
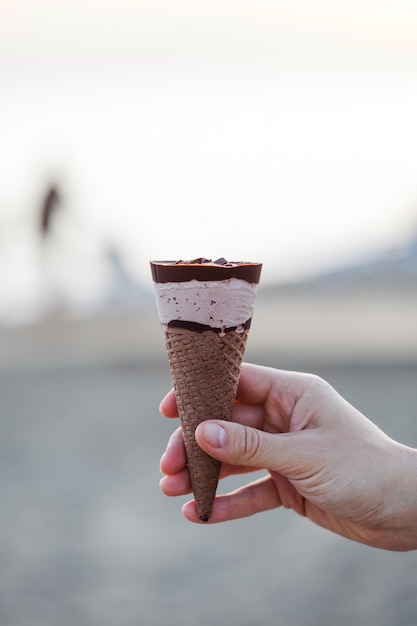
(251, 444)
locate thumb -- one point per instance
(236, 444)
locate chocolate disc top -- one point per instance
(204, 270)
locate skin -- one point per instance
(324, 459)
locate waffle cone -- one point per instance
(205, 370)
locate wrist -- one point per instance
(401, 500)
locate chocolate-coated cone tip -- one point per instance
(205, 370)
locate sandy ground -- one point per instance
(86, 537)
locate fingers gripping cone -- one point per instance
(205, 370)
(205, 309)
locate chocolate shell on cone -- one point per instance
(205, 369)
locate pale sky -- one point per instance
(283, 132)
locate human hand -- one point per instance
(325, 460)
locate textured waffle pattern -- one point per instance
(205, 370)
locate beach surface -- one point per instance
(87, 538)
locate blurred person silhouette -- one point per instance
(52, 300)
(325, 460)
(49, 206)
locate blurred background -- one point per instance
(281, 132)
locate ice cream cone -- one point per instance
(205, 309)
(205, 370)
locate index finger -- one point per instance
(277, 391)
